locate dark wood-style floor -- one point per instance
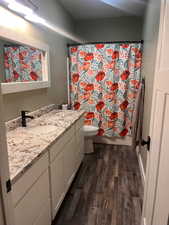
(107, 190)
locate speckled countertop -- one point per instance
(25, 145)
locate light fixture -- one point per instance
(26, 11)
(8, 1)
(17, 7)
(34, 18)
(9, 20)
(29, 14)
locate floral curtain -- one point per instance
(22, 64)
(104, 82)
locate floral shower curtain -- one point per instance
(104, 82)
(22, 64)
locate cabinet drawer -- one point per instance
(61, 142)
(29, 178)
(30, 207)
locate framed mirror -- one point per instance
(24, 64)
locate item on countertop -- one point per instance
(64, 106)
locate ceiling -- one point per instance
(99, 9)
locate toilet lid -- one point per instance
(87, 128)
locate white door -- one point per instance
(5, 196)
(156, 201)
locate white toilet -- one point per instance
(89, 133)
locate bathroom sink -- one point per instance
(53, 122)
(40, 130)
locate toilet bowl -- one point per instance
(89, 133)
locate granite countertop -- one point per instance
(26, 145)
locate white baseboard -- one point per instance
(141, 166)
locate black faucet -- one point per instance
(24, 117)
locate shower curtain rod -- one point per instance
(106, 42)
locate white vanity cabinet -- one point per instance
(39, 192)
(31, 195)
(65, 158)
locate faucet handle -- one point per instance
(25, 111)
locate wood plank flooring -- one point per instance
(106, 191)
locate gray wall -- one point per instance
(55, 13)
(151, 30)
(32, 100)
(121, 28)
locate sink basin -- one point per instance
(40, 130)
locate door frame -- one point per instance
(6, 198)
(153, 156)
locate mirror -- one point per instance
(23, 66)
(20, 63)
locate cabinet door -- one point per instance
(30, 207)
(24, 183)
(57, 183)
(79, 146)
(45, 216)
(69, 162)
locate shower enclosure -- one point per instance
(104, 81)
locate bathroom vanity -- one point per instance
(43, 158)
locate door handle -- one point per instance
(143, 142)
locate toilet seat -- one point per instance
(90, 130)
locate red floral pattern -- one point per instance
(34, 76)
(123, 106)
(114, 86)
(115, 55)
(100, 105)
(77, 105)
(125, 75)
(114, 116)
(73, 49)
(100, 76)
(99, 46)
(89, 115)
(75, 77)
(104, 81)
(89, 56)
(22, 64)
(89, 87)
(100, 132)
(123, 133)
